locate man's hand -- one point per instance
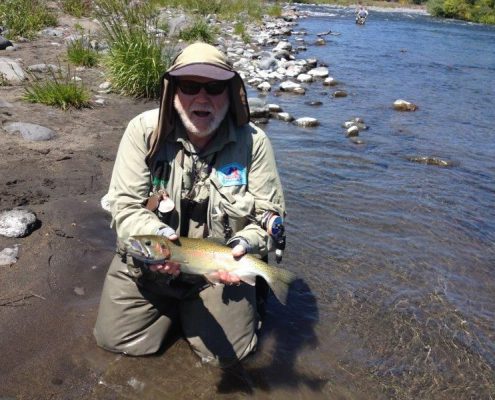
(171, 268)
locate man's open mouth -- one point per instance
(202, 114)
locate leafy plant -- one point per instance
(59, 90)
(25, 17)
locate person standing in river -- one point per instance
(196, 167)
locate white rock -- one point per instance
(319, 72)
(11, 70)
(16, 222)
(306, 122)
(403, 105)
(264, 87)
(289, 86)
(304, 78)
(8, 256)
(105, 203)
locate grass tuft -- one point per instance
(199, 31)
(58, 91)
(137, 57)
(77, 8)
(25, 17)
(80, 52)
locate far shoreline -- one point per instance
(381, 6)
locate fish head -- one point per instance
(149, 248)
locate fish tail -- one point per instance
(279, 281)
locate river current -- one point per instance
(396, 258)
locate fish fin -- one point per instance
(280, 290)
(249, 279)
(279, 281)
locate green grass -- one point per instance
(79, 52)
(25, 17)
(77, 8)
(225, 9)
(58, 91)
(199, 31)
(136, 59)
(240, 29)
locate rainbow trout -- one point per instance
(203, 257)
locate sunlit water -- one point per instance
(397, 259)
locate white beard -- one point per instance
(191, 127)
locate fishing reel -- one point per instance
(274, 225)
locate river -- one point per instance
(397, 259)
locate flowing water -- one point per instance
(397, 259)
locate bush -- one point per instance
(25, 17)
(59, 91)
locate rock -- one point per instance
(289, 86)
(429, 160)
(11, 70)
(352, 131)
(319, 72)
(403, 105)
(283, 116)
(313, 103)
(282, 46)
(43, 68)
(5, 104)
(274, 108)
(4, 43)
(8, 256)
(36, 133)
(356, 140)
(306, 122)
(105, 203)
(320, 42)
(329, 81)
(18, 222)
(304, 78)
(340, 93)
(264, 87)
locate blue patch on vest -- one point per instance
(232, 174)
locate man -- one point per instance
(195, 167)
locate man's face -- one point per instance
(201, 112)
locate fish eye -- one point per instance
(148, 243)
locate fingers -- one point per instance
(238, 251)
(228, 278)
(171, 268)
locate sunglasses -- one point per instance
(213, 88)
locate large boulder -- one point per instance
(11, 71)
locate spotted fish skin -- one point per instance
(205, 257)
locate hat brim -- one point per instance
(203, 70)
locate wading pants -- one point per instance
(219, 322)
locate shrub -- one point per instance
(25, 17)
(59, 91)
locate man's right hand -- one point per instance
(171, 267)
